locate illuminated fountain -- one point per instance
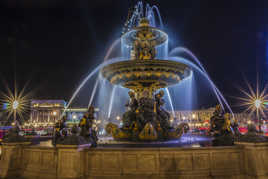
(140, 64)
(143, 74)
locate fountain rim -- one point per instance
(129, 33)
(172, 70)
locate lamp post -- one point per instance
(255, 101)
(258, 103)
(15, 106)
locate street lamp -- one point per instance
(54, 113)
(255, 101)
(15, 103)
(15, 106)
(74, 116)
(258, 104)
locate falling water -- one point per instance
(189, 63)
(111, 102)
(216, 90)
(139, 13)
(179, 50)
(181, 94)
(170, 102)
(112, 49)
(94, 91)
(159, 16)
(107, 90)
(89, 76)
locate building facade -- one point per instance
(201, 118)
(45, 113)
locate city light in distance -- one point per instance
(15, 102)
(258, 103)
(254, 100)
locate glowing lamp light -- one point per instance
(74, 117)
(54, 113)
(15, 104)
(255, 101)
(258, 103)
(193, 116)
(118, 118)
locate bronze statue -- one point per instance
(130, 116)
(86, 125)
(144, 45)
(216, 121)
(221, 128)
(146, 120)
(59, 132)
(162, 115)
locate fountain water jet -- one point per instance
(127, 53)
(111, 49)
(111, 102)
(94, 90)
(216, 90)
(170, 102)
(89, 76)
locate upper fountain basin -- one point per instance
(155, 74)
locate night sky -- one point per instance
(53, 44)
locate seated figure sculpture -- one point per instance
(143, 46)
(59, 130)
(162, 115)
(146, 120)
(146, 109)
(130, 116)
(221, 128)
(86, 125)
(216, 121)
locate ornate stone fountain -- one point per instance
(144, 75)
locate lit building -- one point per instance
(201, 118)
(46, 112)
(74, 115)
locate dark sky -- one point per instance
(54, 43)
